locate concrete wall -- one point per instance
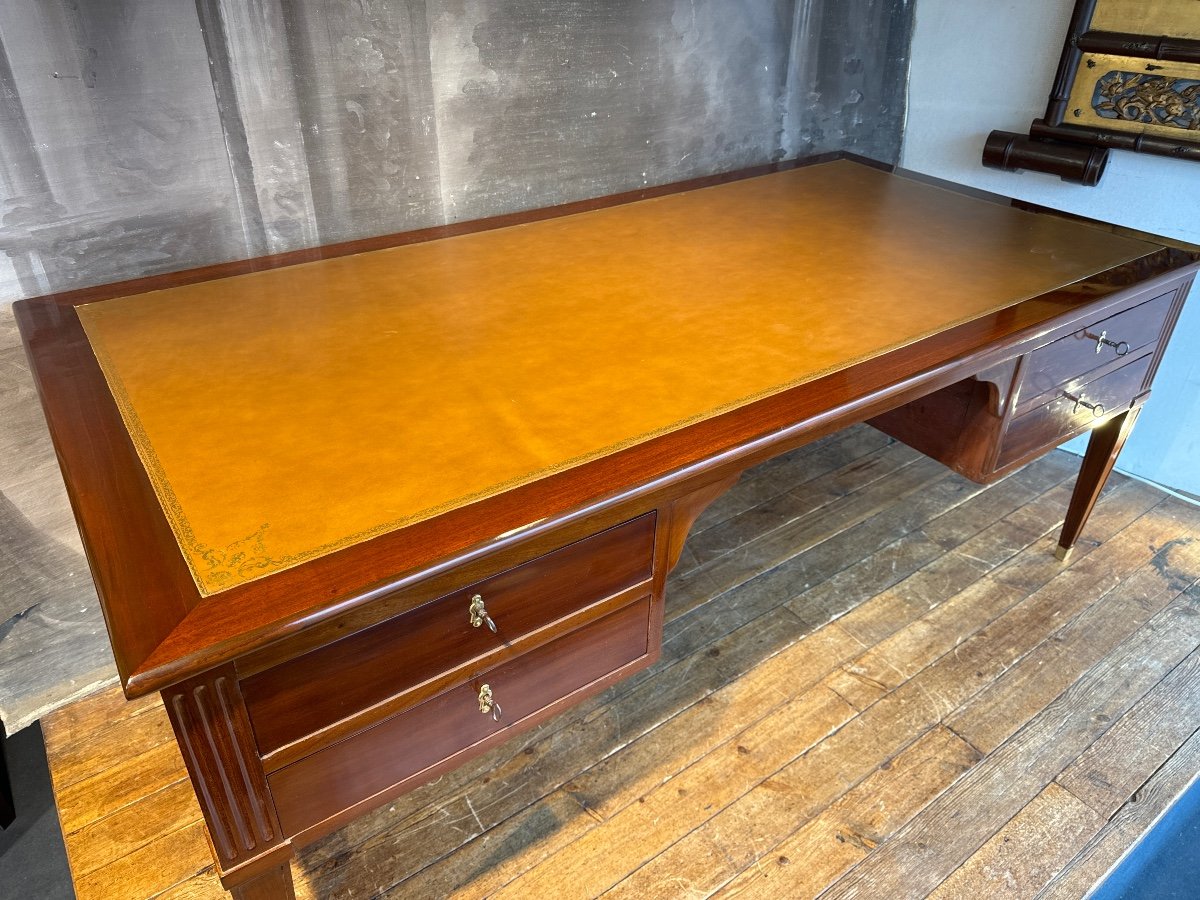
(961, 89)
(152, 135)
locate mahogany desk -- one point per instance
(360, 518)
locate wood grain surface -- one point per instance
(428, 648)
(876, 680)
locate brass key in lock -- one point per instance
(479, 614)
(488, 704)
(1096, 408)
(1102, 340)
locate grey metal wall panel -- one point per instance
(849, 79)
(366, 103)
(118, 106)
(149, 135)
(544, 101)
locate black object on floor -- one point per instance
(1163, 865)
(33, 858)
(8, 812)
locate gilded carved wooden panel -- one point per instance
(1129, 79)
(1129, 94)
(1131, 67)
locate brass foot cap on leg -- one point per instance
(1063, 553)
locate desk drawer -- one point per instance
(395, 753)
(1074, 356)
(382, 669)
(1057, 420)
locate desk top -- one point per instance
(251, 455)
(286, 414)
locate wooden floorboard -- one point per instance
(877, 680)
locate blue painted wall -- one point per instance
(963, 87)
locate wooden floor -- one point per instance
(877, 682)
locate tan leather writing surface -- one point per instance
(287, 413)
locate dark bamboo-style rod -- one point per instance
(1060, 92)
(1115, 140)
(1165, 49)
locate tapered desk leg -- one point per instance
(275, 884)
(1104, 446)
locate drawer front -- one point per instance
(449, 727)
(1052, 423)
(427, 647)
(1075, 355)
